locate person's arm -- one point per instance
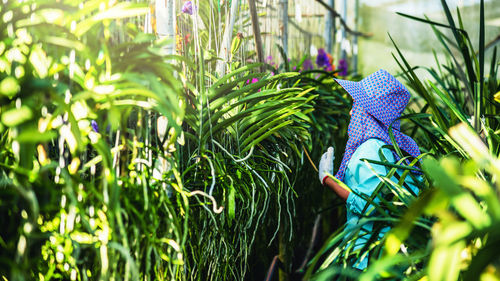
(340, 191)
(325, 169)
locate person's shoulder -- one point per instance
(372, 143)
(370, 148)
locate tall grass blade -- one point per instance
(479, 100)
(459, 37)
(419, 87)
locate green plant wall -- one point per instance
(121, 163)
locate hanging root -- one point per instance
(212, 172)
(214, 203)
(230, 155)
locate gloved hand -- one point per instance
(326, 164)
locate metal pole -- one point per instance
(330, 28)
(334, 27)
(355, 39)
(284, 25)
(343, 44)
(165, 23)
(225, 47)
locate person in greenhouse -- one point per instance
(378, 101)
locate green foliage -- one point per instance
(70, 202)
(328, 127)
(115, 164)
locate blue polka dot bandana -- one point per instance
(379, 99)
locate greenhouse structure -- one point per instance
(250, 140)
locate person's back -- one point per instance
(364, 178)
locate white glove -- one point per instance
(326, 164)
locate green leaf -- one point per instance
(223, 80)
(123, 10)
(485, 256)
(410, 74)
(17, 116)
(266, 135)
(471, 143)
(462, 201)
(120, 10)
(34, 136)
(40, 62)
(231, 202)
(401, 232)
(9, 87)
(451, 255)
(497, 97)
(479, 94)
(65, 42)
(458, 112)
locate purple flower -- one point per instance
(322, 58)
(307, 65)
(254, 80)
(94, 126)
(294, 68)
(343, 67)
(269, 60)
(187, 8)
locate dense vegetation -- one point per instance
(120, 162)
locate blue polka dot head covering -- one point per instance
(379, 99)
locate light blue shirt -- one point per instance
(361, 178)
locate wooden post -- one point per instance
(284, 25)
(256, 31)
